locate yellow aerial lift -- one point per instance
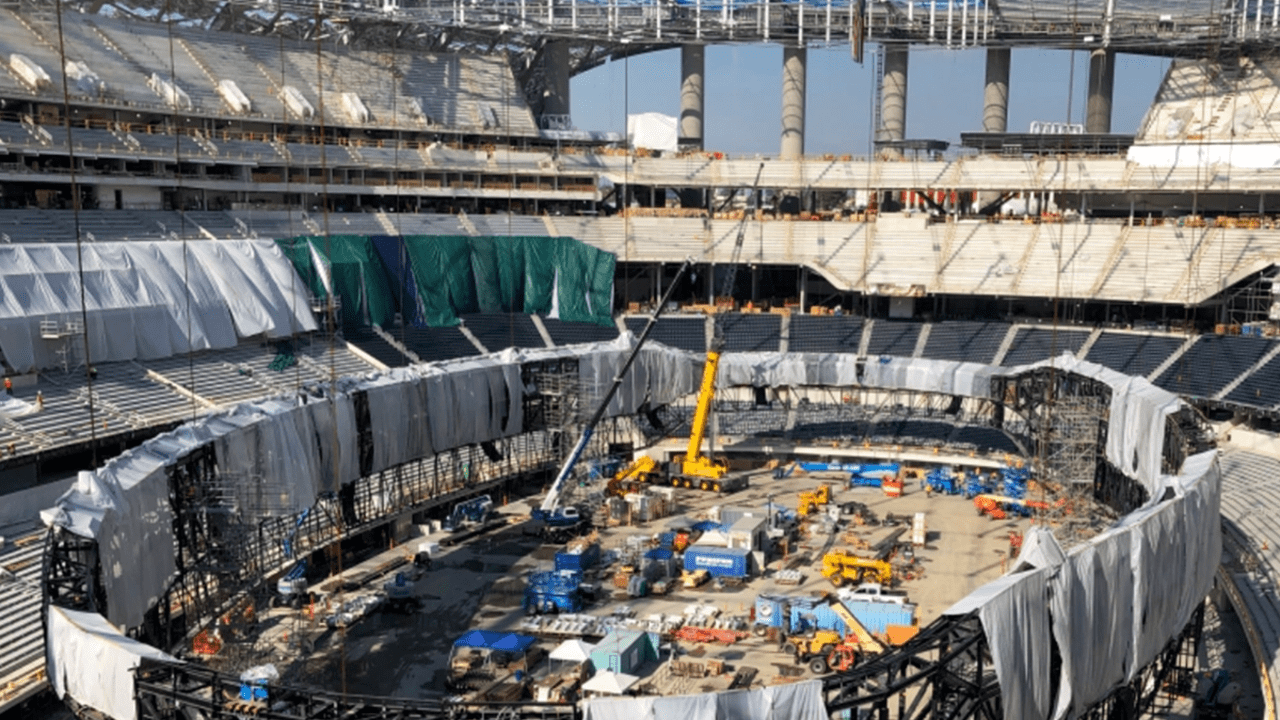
(808, 501)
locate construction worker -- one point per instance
(8, 387)
(39, 400)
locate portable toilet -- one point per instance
(623, 651)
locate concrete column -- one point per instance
(693, 66)
(1102, 80)
(893, 101)
(555, 65)
(794, 60)
(995, 99)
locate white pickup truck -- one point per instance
(873, 592)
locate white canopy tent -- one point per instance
(607, 682)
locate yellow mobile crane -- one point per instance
(695, 469)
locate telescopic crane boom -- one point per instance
(695, 463)
(550, 512)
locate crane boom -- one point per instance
(551, 504)
(866, 640)
(695, 463)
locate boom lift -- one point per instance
(559, 522)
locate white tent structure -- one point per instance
(573, 650)
(607, 682)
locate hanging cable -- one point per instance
(75, 216)
(177, 162)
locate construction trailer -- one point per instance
(625, 651)
(726, 562)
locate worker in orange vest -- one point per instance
(8, 387)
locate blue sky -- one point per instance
(944, 94)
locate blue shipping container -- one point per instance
(590, 555)
(718, 561)
(876, 616)
(814, 614)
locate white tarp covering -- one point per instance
(234, 97)
(145, 300)
(1113, 602)
(295, 445)
(659, 375)
(86, 80)
(796, 701)
(925, 375)
(93, 663)
(653, 131)
(1021, 658)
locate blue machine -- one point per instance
(975, 484)
(771, 611)
(553, 592)
(1015, 482)
(291, 589)
(471, 512)
(941, 480)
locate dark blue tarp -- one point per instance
(391, 251)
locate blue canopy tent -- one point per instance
(479, 654)
(492, 640)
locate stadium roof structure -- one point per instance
(1146, 26)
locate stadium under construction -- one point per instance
(344, 377)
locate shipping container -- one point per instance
(718, 561)
(808, 614)
(876, 616)
(579, 559)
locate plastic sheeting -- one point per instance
(1113, 603)
(796, 701)
(1109, 605)
(924, 375)
(291, 446)
(92, 662)
(145, 300)
(787, 369)
(653, 131)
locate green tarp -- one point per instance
(348, 266)
(456, 274)
(534, 275)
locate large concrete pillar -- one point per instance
(893, 101)
(995, 99)
(1102, 80)
(794, 60)
(555, 67)
(693, 66)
